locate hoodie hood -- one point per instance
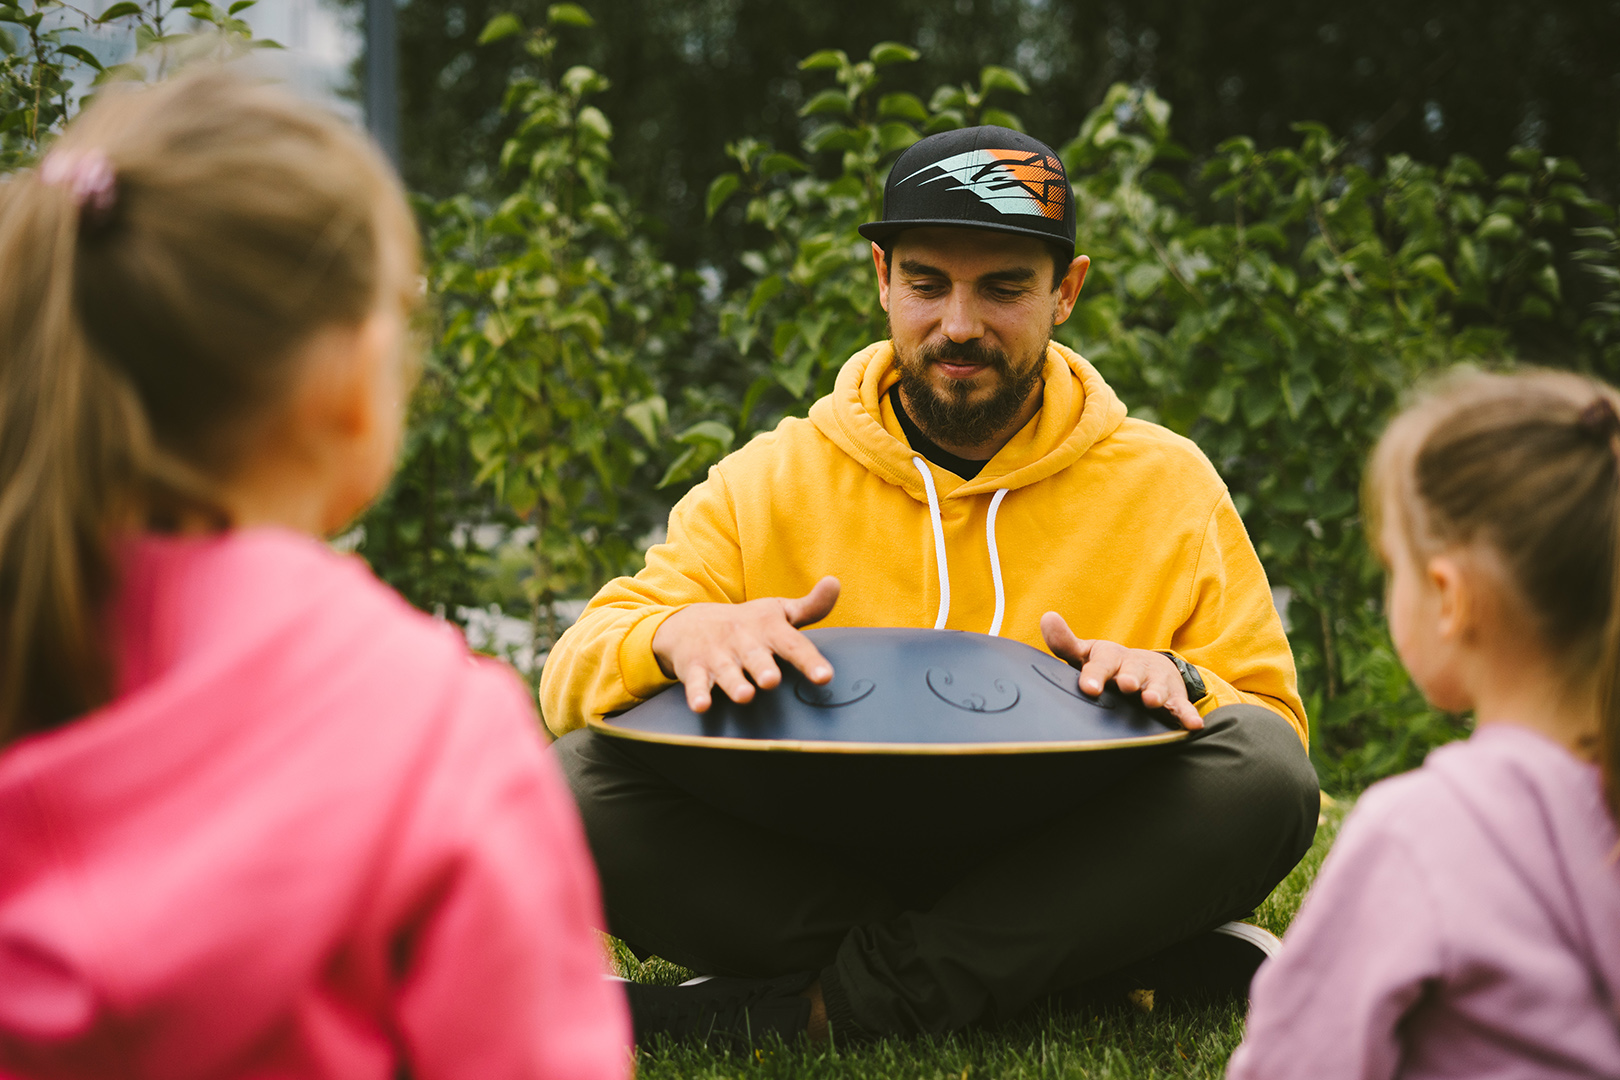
(1078, 410)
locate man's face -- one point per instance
(970, 315)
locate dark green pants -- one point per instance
(947, 930)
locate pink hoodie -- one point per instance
(312, 837)
(1465, 925)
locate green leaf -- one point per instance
(1001, 118)
(648, 417)
(1260, 403)
(706, 441)
(1524, 157)
(1429, 266)
(1546, 279)
(502, 26)
(569, 15)
(117, 11)
(483, 443)
(826, 58)
(781, 163)
(1000, 78)
(764, 292)
(593, 120)
(240, 5)
(81, 53)
(947, 97)
(833, 137)
(902, 107)
(783, 337)
(721, 188)
(892, 52)
(1296, 393)
(895, 135)
(1143, 279)
(835, 102)
(1218, 403)
(1497, 227)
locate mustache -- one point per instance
(965, 352)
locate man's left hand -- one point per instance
(1134, 671)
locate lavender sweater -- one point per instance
(1466, 924)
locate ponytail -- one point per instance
(71, 435)
(164, 264)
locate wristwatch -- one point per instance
(1196, 690)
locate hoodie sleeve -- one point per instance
(499, 964)
(604, 663)
(1232, 632)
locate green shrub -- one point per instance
(42, 56)
(539, 409)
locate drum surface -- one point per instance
(910, 692)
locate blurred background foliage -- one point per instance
(640, 225)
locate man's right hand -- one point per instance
(726, 645)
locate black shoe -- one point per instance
(721, 1012)
(1218, 965)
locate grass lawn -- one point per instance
(1119, 1043)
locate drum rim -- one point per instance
(817, 746)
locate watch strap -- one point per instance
(1190, 678)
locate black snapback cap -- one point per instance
(984, 177)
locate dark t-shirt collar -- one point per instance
(966, 468)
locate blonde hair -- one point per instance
(1528, 464)
(142, 334)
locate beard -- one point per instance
(947, 415)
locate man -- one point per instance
(970, 474)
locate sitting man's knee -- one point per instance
(1272, 776)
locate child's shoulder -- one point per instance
(1495, 776)
(292, 617)
(1484, 820)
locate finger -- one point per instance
(799, 651)
(1061, 640)
(1135, 677)
(814, 605)
(697, 682)
(729, 677)
(1102, 665)
(1184, 711)
(761, 666)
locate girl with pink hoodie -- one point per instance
(1467, 921)
(258, 817)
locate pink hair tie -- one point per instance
(87, 175)
(1599, 419)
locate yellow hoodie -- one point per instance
(1121, 526)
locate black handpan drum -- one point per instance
(916, 726)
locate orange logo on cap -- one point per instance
(1008, 181)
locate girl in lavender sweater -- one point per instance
(1467, 923)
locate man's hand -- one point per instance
(1134, 671)
(725, 645)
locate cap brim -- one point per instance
(880, 231)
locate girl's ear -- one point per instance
(1457, 597)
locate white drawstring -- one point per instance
(995, 561)
(939, 543)
(939, 551)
